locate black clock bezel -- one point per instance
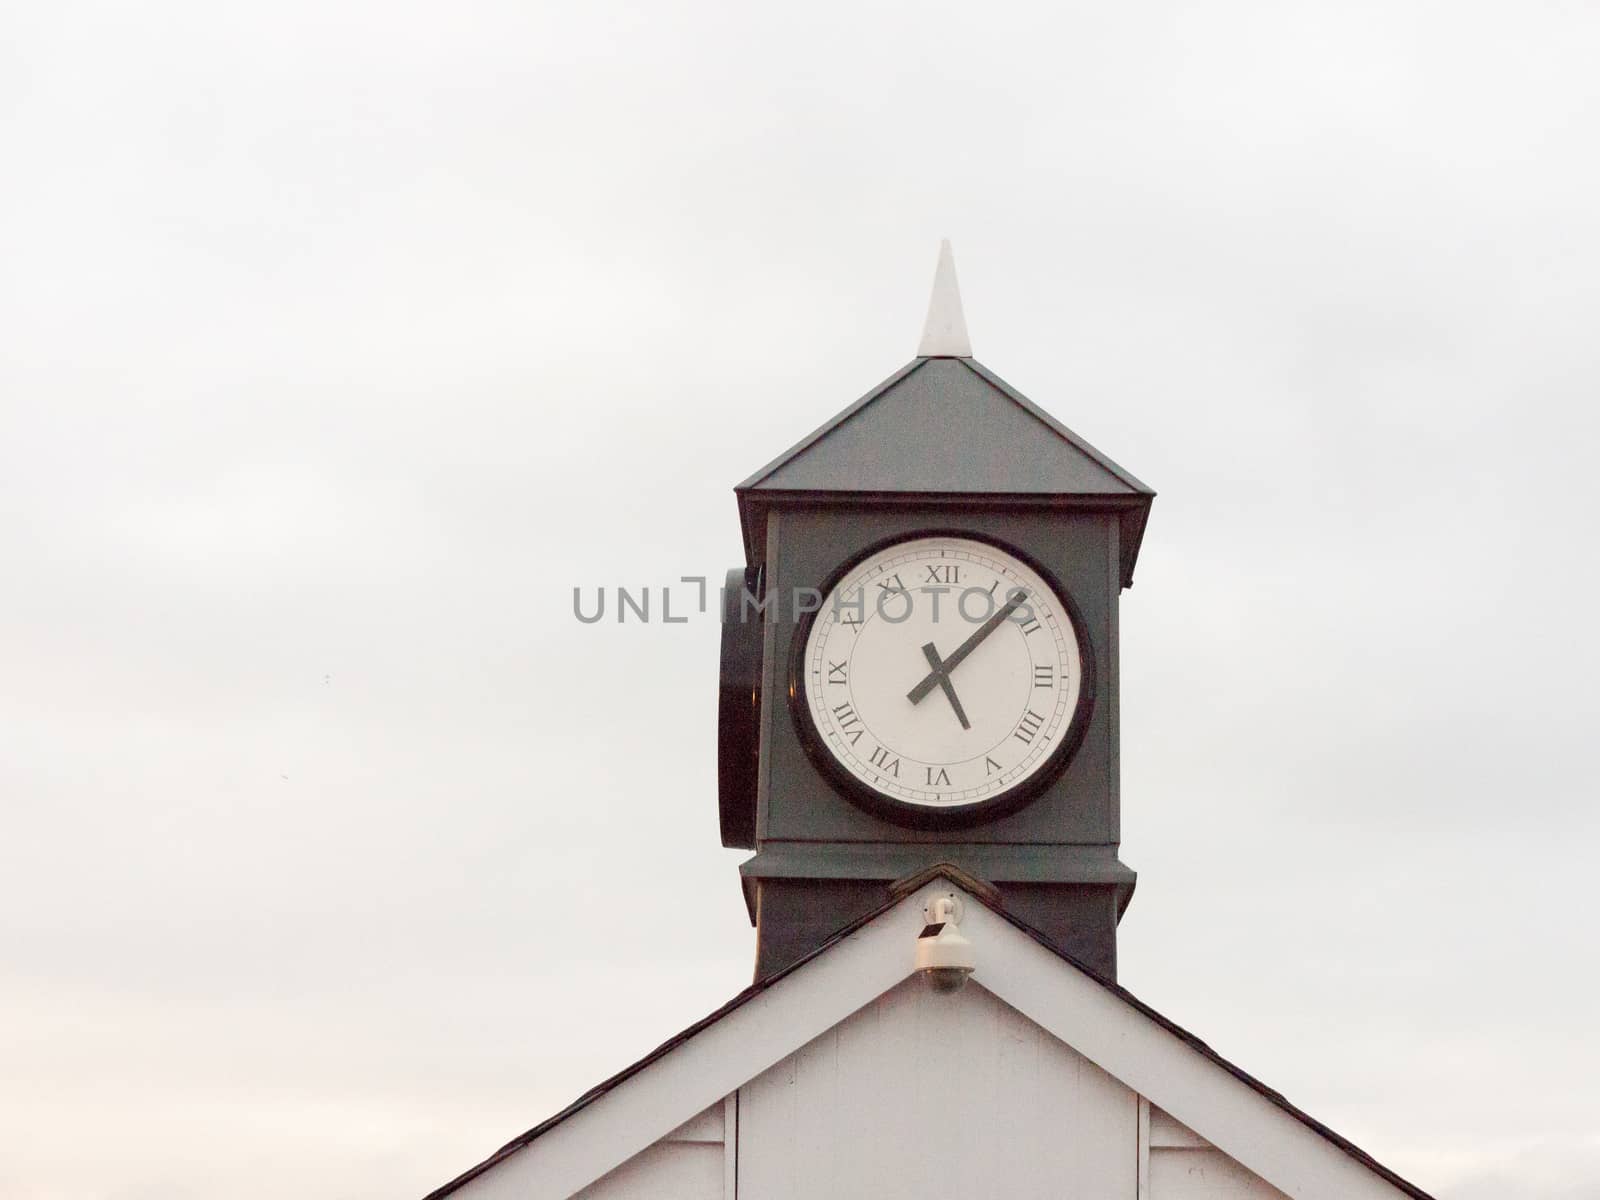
(924, 816)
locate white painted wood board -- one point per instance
(1189, 1173)
(641, 1110)
(687, 1164)
(1166, 1131)
(665, 1171)
(850, 1077)
(921, 1094)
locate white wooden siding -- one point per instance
(1022, 1084)
(688, 1164)
(1184, 1166)
(666, 1171)
(1192, 1174)
(920, 1094)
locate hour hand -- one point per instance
(945, 685)
(942, 675)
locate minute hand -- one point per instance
(931, 681)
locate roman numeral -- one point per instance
(1031, 625)
(880, 759)
(989, 766)
(836, 671)
(941, 778)
(943, 573)
(1044, 677)
(1032, 722)
(848, 721)
(896, 586)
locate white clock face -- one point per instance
(942, 672)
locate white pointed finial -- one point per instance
(945, 334)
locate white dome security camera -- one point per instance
(944, 957)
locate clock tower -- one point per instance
(919, 659)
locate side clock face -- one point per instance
(943, 678)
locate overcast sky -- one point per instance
(341, 341)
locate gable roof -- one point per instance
(940, 428)
(1148, 1052)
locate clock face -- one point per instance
(942, 675)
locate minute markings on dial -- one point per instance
(963, 761)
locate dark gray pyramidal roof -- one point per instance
(945, 427)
